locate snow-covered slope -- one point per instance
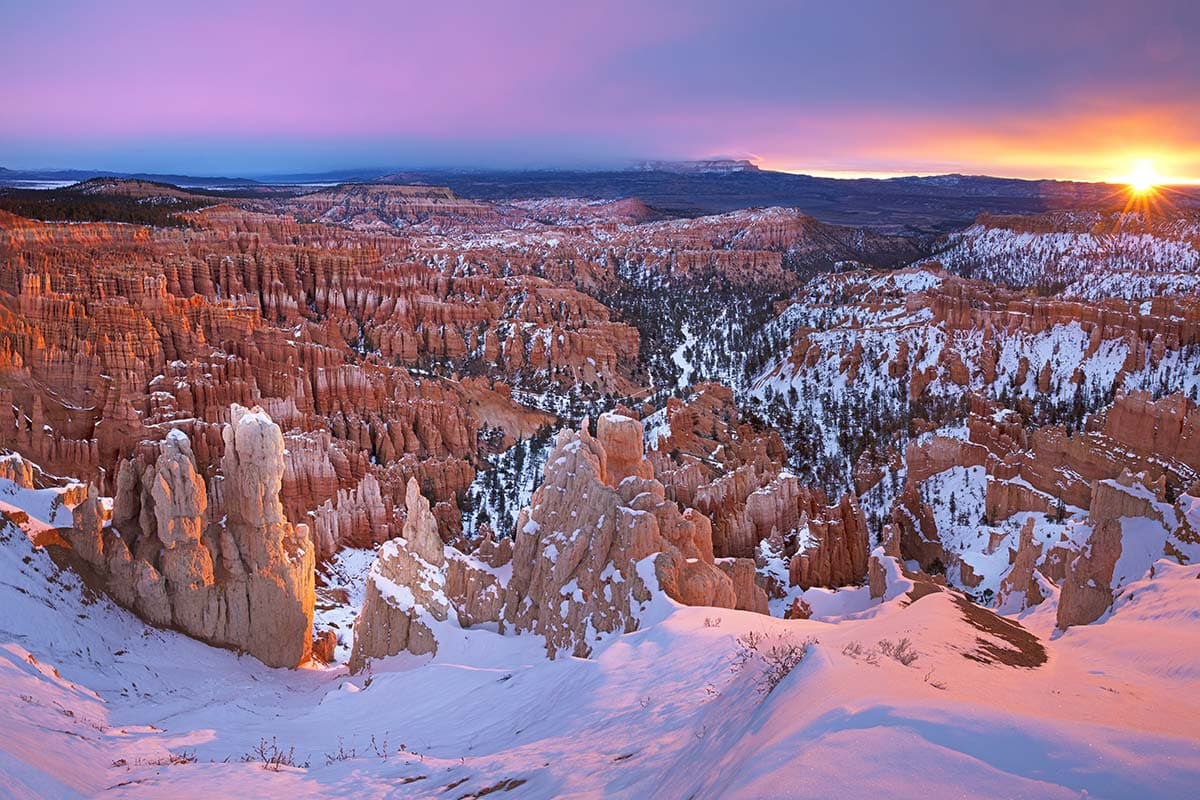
(850, 348)
(1092, 255)
(100, 704)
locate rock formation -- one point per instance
(417, 581)
(1129, 526)
(731, 472)
(1020, 588)
(405, 590)
(581, 567)
(220, 563)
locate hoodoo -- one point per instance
(217, 562)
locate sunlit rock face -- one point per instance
(582, 567)
(218, 562)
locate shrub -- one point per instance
(900, 650)
(272, 755)
(342, 753)
(777, 657)
(856, 651)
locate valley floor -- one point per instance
(98, 704)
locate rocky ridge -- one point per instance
(598, 541)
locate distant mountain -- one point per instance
(927, 205)
(17, 177)
(358, 175)
(924, 204)
(715, 166)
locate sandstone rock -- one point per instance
(621, 439)
(832, 549)
(877, 574)
(749, 596)
(888, 578)
(799, 609)
(324, 646)
(405, 590)
(1019, 589)
(1130, 525)
(476, 589)
(230, 571)
(18, 470)
(578, 573)
(278, 558)
(86, 535)
(417, 581)
(1087, 590)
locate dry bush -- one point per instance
(342, 754)
(856, 651)
(272, 755)
(900, 650)
(777, 656)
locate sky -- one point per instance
(1050, 88)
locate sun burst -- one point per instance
(1144, 178)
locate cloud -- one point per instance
(1048, 88)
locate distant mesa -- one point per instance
(136, 188)
(405, 184)
(707, 166)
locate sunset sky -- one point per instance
(1036, 89)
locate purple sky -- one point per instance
(1058, 89)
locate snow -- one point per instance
(656, 428)
(98, 702)
(1139, 258)
(681, 354)
(1142, 541)
(347, 572)
(45, 507)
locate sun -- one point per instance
(1144, 178)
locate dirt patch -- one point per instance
(65, 558)
(1026, 649)
(502, 786)
(922, 589)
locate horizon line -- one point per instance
(628, 166)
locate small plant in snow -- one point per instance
(777, 657)
(900, 650)
(342, 753)
(169, 760)
(380, 748)
(856, 651)
(712, 622)
(272, 755)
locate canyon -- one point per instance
(406, 454)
